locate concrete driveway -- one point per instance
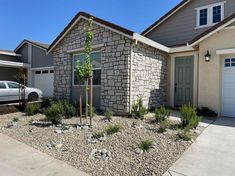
(212, 154)
(18, 159)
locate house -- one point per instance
(30, 56)
(187, 56)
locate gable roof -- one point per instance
(166, 16)
(122, 31)
(227, 21)
(43, 46)
(85, 15)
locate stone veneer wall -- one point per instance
(115, 64)
(149, 75)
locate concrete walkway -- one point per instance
(18, 159)
(212, 154)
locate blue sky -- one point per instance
(43, 20)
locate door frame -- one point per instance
(195, 76)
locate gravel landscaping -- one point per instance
(116, 154)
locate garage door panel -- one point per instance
(228, 88)
(45, 82)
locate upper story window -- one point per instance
(210, 15)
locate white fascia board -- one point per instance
(213, 32)
(43, 68)
(149, 42)
(14, 64)
(9, 54)
(225, 51)
(182, 49)
(82, 49)
(176, 10)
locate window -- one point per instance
(51, 71)
(12, 85)
(2, 85)
(203, 17)
(229, 62)
(38, 72)
(210, 15)
(96, 63)
(216, 14)
(44, 71)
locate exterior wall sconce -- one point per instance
(208, 56)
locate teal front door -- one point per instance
(184, 69)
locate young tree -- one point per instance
(80, 75)
(21, 79)
(88, 69)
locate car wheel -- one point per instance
(33, 97)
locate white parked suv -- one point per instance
(9, 91)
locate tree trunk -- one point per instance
(91, 103)
(80, 103)
(86, 99)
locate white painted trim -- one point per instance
(213, 32)
(209, 14)
(195, 76)
(76, 21)
(28, 42)
(225, 51)
(229, 27)
(14, 64)
(166, 18)
(82, 49)
(9, 53)
(42, 68)
(149, 42)
(181, 49)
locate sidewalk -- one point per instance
(212, 154)
(18, 159)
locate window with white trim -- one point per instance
(229, 62)
(96, 63)
(210, 15)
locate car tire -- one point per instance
(33, 97)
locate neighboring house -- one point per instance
(32, 57)
(166, 65)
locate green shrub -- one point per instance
(111, 129)
(46, 102)
(69, 109)
(32, 109)
(189, 118)
(55, 113)
(206, 112)
(108, 114)
(138, 110)
(93, 110)
(145, 145)
(161, 114)
(184, 135)
(164, 124)
(98, 135)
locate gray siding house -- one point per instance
(32, 57)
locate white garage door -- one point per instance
(44, 80)
(228, 87)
